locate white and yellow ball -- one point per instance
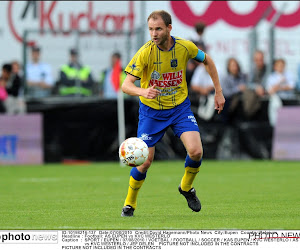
(133, 152)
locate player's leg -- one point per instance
(151, 131)
(136, 180)
(193, 145)
(186, 128)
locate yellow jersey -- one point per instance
(166, 69)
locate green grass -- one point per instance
(234, 195)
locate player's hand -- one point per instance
(151, 92)
(219, 101)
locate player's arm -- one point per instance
(129, 88)
(212, 71)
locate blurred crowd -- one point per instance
(242, 90)
(75, 80)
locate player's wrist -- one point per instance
(142, 92)
(220, 90)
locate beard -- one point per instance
(163, 39)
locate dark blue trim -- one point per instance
(192, 164)
(138, 78)
(137, 175)
(171, 47)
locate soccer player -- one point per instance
(160, 64)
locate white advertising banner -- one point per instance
(228, 27)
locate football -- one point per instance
(133, 152)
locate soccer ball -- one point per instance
(133, 152)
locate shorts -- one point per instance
(151, 129)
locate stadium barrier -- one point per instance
(21, 139)
(87, 129)
(286, 142)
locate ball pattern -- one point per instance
(133, 152)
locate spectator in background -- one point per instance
(233, 85)
(280, 81)
(203, 87)
(234, 82)
(280, 85)
(258, 74)
(3, 94)
(13, 103)
(112, 78)
(198, 35)
(16, 68)
(190, 69)
(201, 82)
(39, 78)
(13, 81)
(197, 38)
(75, 78)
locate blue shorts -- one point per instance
(154, 123)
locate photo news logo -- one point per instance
(271, 235)
(28, 237)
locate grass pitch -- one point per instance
(234, 195)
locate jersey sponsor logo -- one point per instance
(174, 63)
(169, 91)
(145, 137)
(221, 10)
(155, 75)
(170, 79)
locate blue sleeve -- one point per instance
(200, 57)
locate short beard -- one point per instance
(164, 39)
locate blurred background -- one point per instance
(62, 62)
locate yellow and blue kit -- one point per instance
(166, 69)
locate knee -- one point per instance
(196, 154)
(146, 165)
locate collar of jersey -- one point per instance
(171, 47)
